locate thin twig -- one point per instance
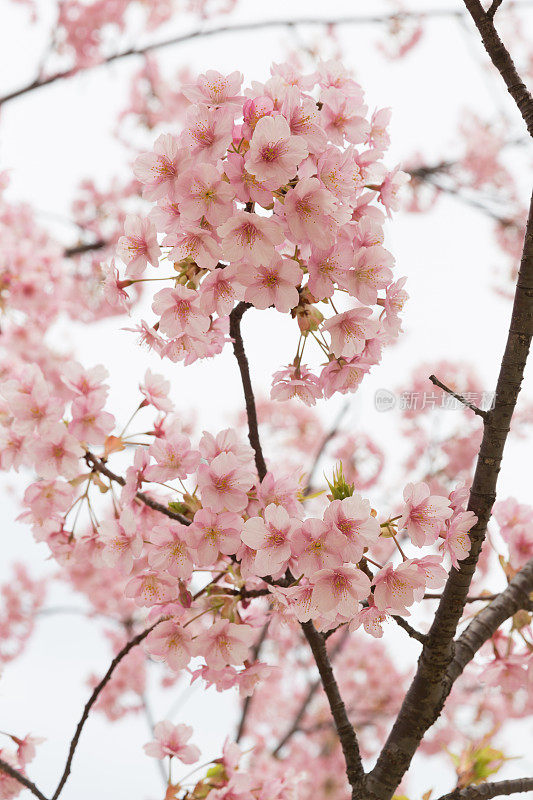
(98, 465)
(343, 726)
(94, 697)
(79, 249)
(413, 633)
(251, 412)
(493, 8)
(479, 411)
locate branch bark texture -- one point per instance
(424, 699)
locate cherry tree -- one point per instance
(221, 554)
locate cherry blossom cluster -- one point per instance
(271, 197)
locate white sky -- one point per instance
(53, 138)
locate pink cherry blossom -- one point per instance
(310, 212)
(213, 534)
(90, 423)
(352, 518)
(174, 456)
(159, 170)
(155, 390)
(179, 312)
(171, 740)
(197, 244)
(122, 541)
(274, 152)
(370, 273)
(171, 642)
(397, 588)
(294, 382)
(215, 89)
(57, 453)
(350, 330)
(273, 284)
(456, 540)
(225, 643)
(343, 117)
(224, 484)
(317, 546)
(226, 441)
(423, 514)
(151, 588)
(304, 119)
(139, 246)
(220, 290)
(207, 134)
(249, 237)
(271, 538)
(340, 589)
(203, 193)
(170, 551)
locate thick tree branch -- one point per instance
(501, 59)
(423, 701)
(98, 465)
(22, 779)
(487, 790)
(343, 726)
(485, 624)
(251, 412)
(94, 697)
(247, 27)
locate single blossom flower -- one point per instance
(275, 152)
(171, 740)
(271, 537)
(423, 515)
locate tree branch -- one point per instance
(487, 790)
(435, 381)
(413, 633)
(423, 701)
(93, 698)
(515, 597)
(98, 465)
(246, 27)
(18, 776)
(493, 8)
(343, 726)
(238, 349)
(79, 249)
(501, 59)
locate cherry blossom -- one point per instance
(171, 740)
